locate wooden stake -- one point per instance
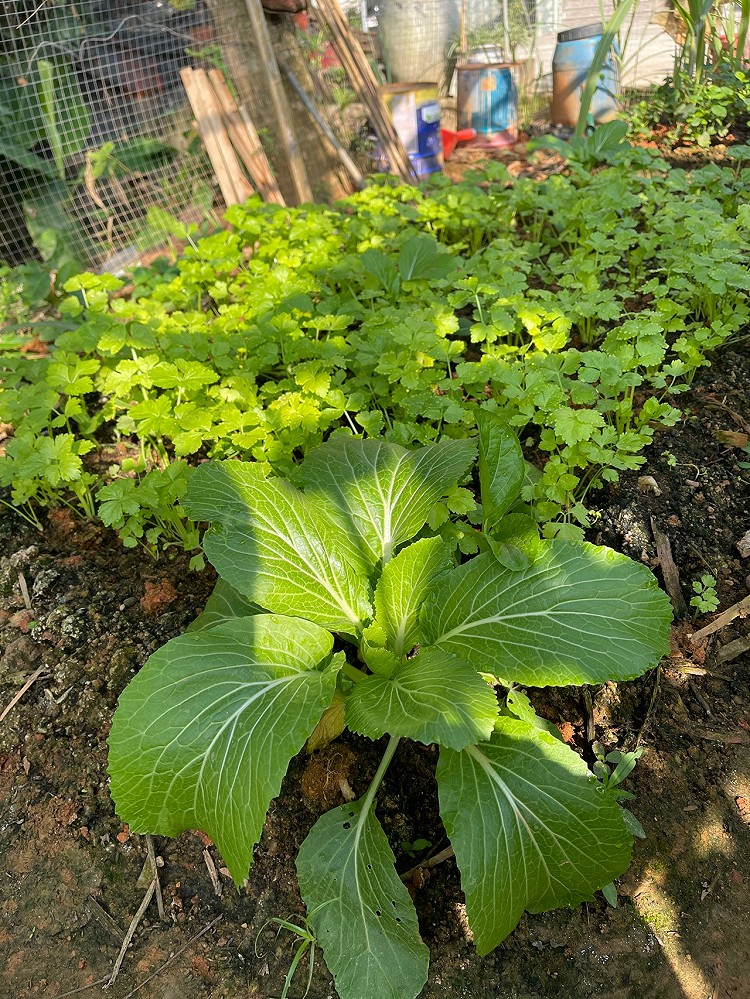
(235, 188)
(245, 140)
(275, 91)
(462, 36)
(346, 161)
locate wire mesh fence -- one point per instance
(97, 144)
(94, 129)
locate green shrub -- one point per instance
(429, 648)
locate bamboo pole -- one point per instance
(275, 92)
(362, 78)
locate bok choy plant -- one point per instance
(337, 606)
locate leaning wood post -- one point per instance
(270, 71)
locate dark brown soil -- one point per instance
(70, 872)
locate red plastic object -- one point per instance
(451, 139)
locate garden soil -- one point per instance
(80, 615)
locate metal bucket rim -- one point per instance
(473, 66)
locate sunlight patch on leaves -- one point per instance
(434, 697)
(577, 614)
(277, 547)
(403, 587)
(383, 492)
(203, 735)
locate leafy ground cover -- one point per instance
(578, 307)
(70, 868)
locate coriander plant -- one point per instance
(338, 607)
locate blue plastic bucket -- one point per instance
(487, 101)
(415, 110)
(571, 62)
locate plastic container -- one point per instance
(415, 110)
(487, 101)
(571, 62)
(414, 36)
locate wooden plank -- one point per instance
(215, 155)
(277, 99)
(245, 140)
(234, 186)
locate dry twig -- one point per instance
(32, 679)
(669, 571)
(740, 609)
(733, 649)
(445, 854)
(729, 738)
(651, 705)
(174, 957)
(104, 918)
(155, 872)
(24, 590)
(129, 935)
(212, 872)
(82, 988)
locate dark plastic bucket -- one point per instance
(574, 55)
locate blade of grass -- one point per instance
(602, 49)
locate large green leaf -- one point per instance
(403, 587)
(422, 256)
(384, 493)
(577, 614)
(203, 735)
(501, 467)
(224, 604)
(529, 826)
(65, 116)
(383, 268)
(361, 911)
(434, 697)
(277, 547)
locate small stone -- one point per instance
(20, 654)
(157, 596)
(743, 545)
(22, 619)
(648, 484)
